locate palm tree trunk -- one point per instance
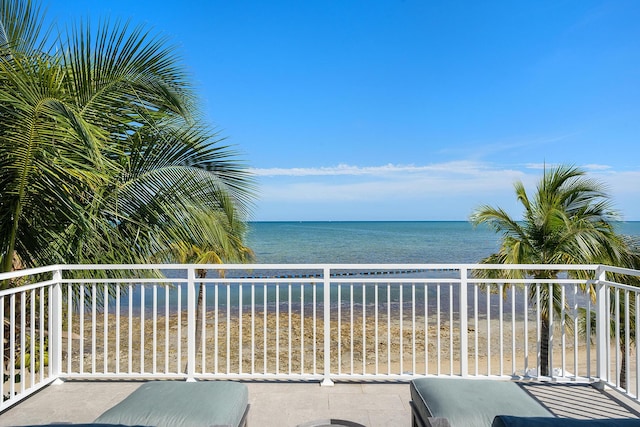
(199, 315)
(623, 368)
(201, 275)
(544, 347)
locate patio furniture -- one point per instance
(455, 402)
(511, 421)
(177, 404)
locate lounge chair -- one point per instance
(440, 402)
(511, 421)
(177, 403)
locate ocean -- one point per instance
(429, 242)
(383, 242)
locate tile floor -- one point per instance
(277, 404)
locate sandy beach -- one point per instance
(259, 342)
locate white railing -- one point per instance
(315, 322)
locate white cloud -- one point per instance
(625, 182)
(596, 167)
(414, 190)
(461, 167)
(586, 168)
(388, 182)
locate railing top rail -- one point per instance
(532, 281)
(620, 286)
(310, 266)
(28, 272)
(26, 288)
(620, 270)
(581, 267)
(318, 279)
(441, 266)
(319, 267)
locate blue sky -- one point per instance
(408, 109)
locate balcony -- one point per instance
(289, 328)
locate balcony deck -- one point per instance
(370, 328)
(290, 404)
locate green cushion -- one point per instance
(511, 421)
(470, 402)
(177, 403)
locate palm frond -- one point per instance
(22, 28)
(102, 151)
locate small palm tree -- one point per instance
(216, 248)
(569, 220)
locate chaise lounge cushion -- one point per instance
(177, 403)
(471, 402)
(511, 421)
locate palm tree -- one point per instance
(226, 247)
(569, 220)
(103, 156)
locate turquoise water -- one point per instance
(377, 242)
(358, 243)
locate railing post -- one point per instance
(191, 323)
(602, 328)
(326, 298)
(464, 340)
(55, 339)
